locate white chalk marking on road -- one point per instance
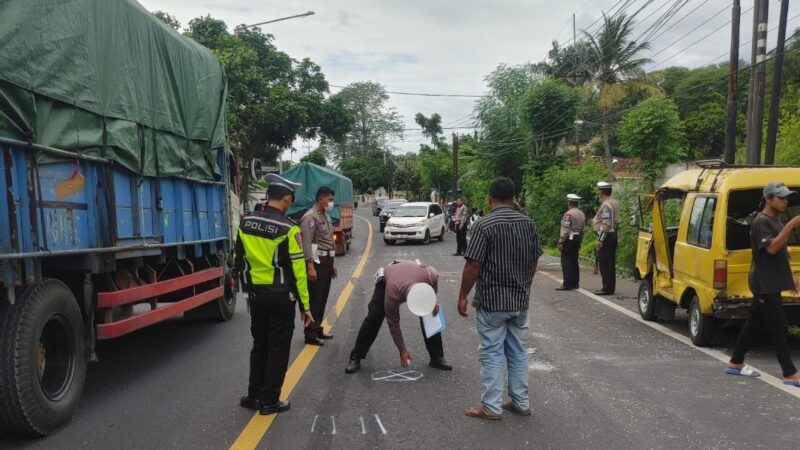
(333, 421)
(716, 354)
(363, 427)
(378, 419)
(396, 375)
(313, 425)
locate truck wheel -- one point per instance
(441, 235)
(701, 327)
(221, 309)
(42, 359)
(647, 302)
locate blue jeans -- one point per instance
(503, 334)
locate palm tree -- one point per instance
(615, 65)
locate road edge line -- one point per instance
(257, 427)
(716, 354)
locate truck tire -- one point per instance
(647, 301)
(701, 327)
(221, 309)
(42, 359)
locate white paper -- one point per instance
(314, 249)
(433, 324)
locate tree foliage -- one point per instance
(374, 122)
(654, 133)
(168, 19)
(705, 130)
(550, 108)
(431, 126)
(317, 156)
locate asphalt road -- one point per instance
(599, 379)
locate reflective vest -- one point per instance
(269, 255)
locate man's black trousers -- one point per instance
(461, 239)
(766, 311)
(318, 292)
(606, 258)
(271, 324)
(569, 262)
(374, 320)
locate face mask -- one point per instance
(329, 207)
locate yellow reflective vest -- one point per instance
(269, 255)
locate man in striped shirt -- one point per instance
(501, 258)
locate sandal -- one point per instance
(795, 383)
(745, 371)
(480, 412)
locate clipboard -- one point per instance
(434, 324)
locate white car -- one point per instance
(417, 221)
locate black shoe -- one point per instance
(602, 292)
(322, 335)
(250, 403)
(440, 363)
(564, 288)
(353, 366)
(314, 341)
(274, 408)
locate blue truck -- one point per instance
(118, 190)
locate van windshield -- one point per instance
(743, 208)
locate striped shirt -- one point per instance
(506, 244)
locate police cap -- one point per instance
(277, 180)
(573, 197)
(603, 185)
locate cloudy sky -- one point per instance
(449, 46)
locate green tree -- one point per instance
(316, 156)
(705, 130)
(506, 142)
(272, 98)
(368, 171)
(654, 133)
(374, 122)
(787, 148)
(435, 165)
(616, 66)
(567, 64)
(168, 19)
(431, 126)
(550, 108)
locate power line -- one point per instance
(422, 94)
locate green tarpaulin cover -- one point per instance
(313, 177)
(107, 78)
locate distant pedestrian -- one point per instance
(460, 225)
(502, 258)
(268, 259)
(393, 284)
(569, 243)
(606, 224)
(770, 274)
(319, 252)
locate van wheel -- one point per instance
(388, 241)
(701, 327)
(42, 359)
(441, 235)
(647, 302)
(427, 239)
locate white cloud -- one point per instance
(449, 46)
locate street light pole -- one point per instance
(305, 14)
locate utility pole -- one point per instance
(242, 27)
(777, 79)
(733, 66)
(455, 164)
(757, 101)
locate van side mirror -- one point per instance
(431, 215)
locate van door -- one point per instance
(694, 265)
(644, 222)
(662, 264)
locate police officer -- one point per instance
(569, 242)
(318, 249)
(606, 223)
(268, 258)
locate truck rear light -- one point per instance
(720, 274)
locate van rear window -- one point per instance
(742, 209)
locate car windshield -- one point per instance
(392, 205)
(411, 211)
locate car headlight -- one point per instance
(420, 223)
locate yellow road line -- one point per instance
(258, 426)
